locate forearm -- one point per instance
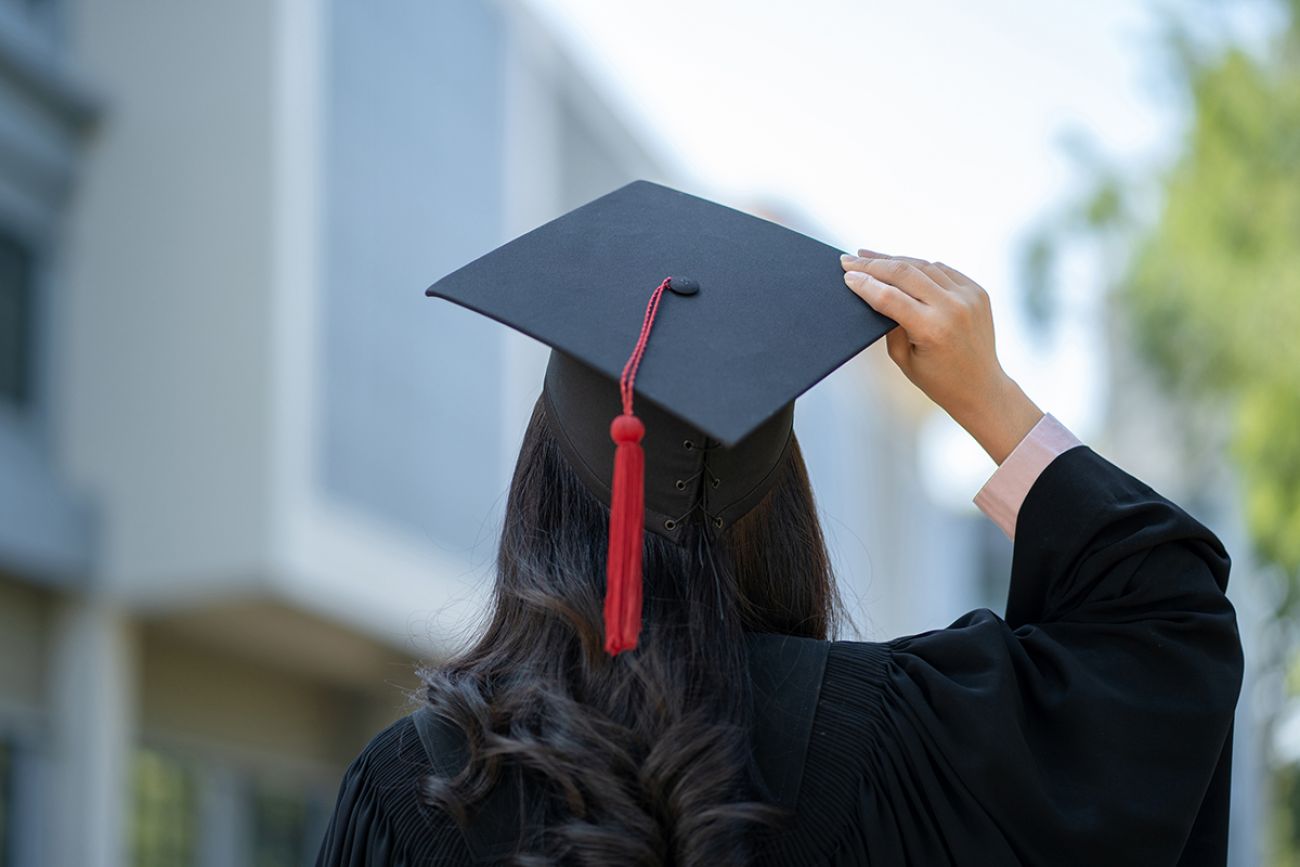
(999, 418)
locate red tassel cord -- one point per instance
(627, 504)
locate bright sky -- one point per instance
(931, 128)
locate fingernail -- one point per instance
(854, 278)
(848, 257)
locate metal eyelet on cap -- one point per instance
(670, 524)
(716, 482)
(717, 522)
(681, 485)
(688, 445)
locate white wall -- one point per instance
(165, 335)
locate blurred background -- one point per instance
(249, 474)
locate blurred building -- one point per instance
(248, 473)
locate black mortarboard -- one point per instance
(745, 315)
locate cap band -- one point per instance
(580, 402)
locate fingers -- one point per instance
(960, 285)
(887, 299)
(940, 273)
(952, 273)
(901, 273)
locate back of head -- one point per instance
(644, 757)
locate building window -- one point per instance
(285, 827)
(164, 822)
(16, 320)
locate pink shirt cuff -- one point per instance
(1003, 493)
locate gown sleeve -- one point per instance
(1090, 726)
(379, 819)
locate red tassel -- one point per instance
(627, 505)
(626, 523)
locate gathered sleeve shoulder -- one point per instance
(379, 816)
(1090, 725)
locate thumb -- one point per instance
(898, 346)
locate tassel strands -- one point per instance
(623, 588)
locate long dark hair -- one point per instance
(645, 758)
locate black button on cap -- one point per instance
(684, 286)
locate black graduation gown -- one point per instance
(1090, 726)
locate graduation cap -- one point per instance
(745, 314)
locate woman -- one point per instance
(1091, 725)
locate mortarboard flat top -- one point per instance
(772, 316)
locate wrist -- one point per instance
(1002, 419)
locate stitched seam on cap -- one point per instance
(585, 473)
(780, 459)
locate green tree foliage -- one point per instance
(1210, 285)
(1214, 286)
